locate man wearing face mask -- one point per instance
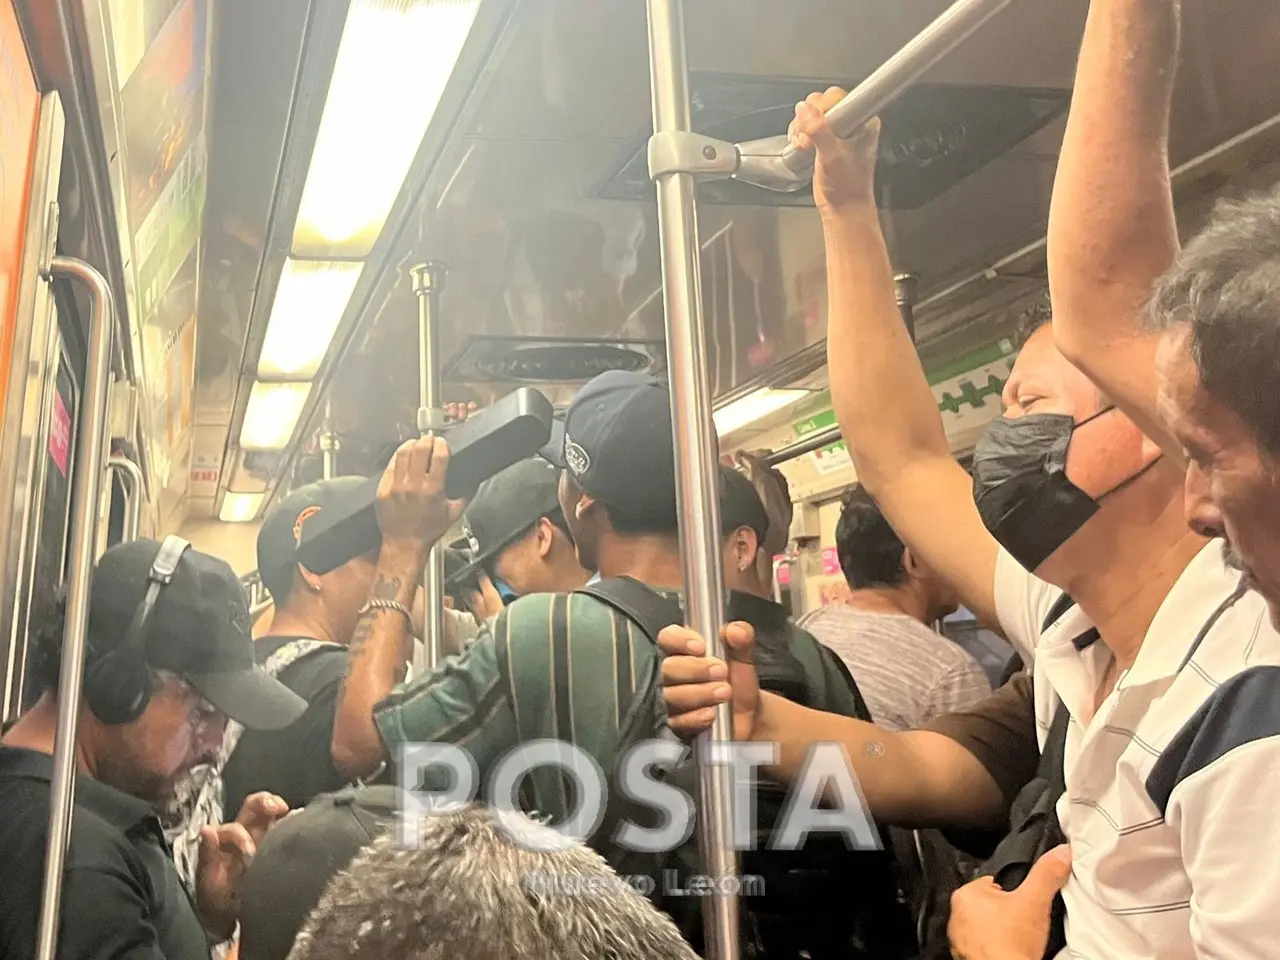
(1066, 486)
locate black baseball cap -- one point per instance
(618, 446)
(297, 859)
(280, 532)
(505, 506)
(740, 505)
(198, 629)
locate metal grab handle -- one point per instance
(428, 284)
(134, 488)
(773, 163)
(85, 498)
(696, 462)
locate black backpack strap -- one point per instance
(1060, 606)
(648, 609)
(1053, 757)
(652, 613)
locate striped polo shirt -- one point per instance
(556, 666)
(1171, 782)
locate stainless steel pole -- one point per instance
(697, 472)
(86, 495)
(773, 163)
(814, 441)
(133, 495)
(428, 284)
(913, 60)
(328, 442)
(906, 291)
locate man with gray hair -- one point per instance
(480, 883)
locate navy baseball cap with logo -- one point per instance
(506, 505)
(280, 532)
(617, 444)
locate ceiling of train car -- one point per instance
(519, 204)
(256, 56)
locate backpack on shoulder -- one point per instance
(821, 901)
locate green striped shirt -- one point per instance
(556, 666)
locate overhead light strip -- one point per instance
(240, 507)
(394, 61)
(755, 406)
(310, 300)
(272, 415)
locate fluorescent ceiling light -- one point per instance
(272, 415)
(310, 300)
(754, 406)
(240, 507)
(394, 61)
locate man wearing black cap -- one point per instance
(565, 665)
(517, 535)
(315, 617)
(169, 661)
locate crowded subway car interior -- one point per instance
(380, 374)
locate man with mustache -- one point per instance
(169, 662)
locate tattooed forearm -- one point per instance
(387, 588)
(380, 646)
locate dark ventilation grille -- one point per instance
(545, 360)
(933, 136)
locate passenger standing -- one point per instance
(567, 667)
(1163, 826)
(908, 673)
(1193, 359)
(517, 535)
(497, 695)
(169, 660)
(315, 616)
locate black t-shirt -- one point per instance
(122, 897)
(295, 763)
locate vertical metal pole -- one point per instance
(328, 442)
(86, 495)
(697, 474)
(428, 284)
(906, 291)
(133, 490)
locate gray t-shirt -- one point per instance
(907, 673)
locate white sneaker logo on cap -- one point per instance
(575, 458)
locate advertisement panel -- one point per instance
(162, 61)
(19, 113)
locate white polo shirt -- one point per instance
(1172, 806)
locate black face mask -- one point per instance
(1021, 488)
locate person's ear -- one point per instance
(915, 569)
(545, 534)
(310, 580)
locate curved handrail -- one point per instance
(134, 488)
(85, 499)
